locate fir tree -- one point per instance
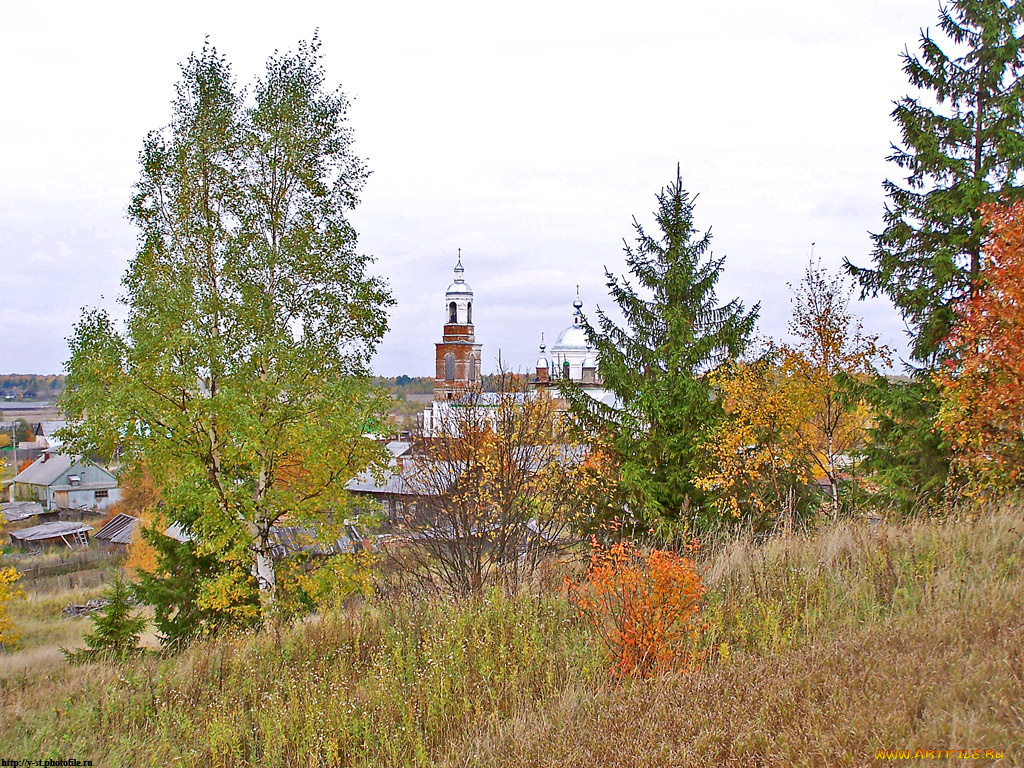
(115, 632)
(657, 366)
(184, 574)
(965, 152)
(962, 146)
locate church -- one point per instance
(458, 356)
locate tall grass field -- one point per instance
(820, 649)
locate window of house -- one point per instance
(102, 493)
(74, 480)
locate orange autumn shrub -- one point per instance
(644, 605)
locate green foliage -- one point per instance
(906, 459)
(963, 153)
(188, 589)
(115, 632)
(657, 366)
(239, 380)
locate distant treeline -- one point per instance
(30, 386)
(406, 385)
(424, 385)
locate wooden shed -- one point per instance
(55, 534)
(116, 532)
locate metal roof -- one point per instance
(44, 470)
(46, 531)
(118, 530)
(47, 428)
(294, 539)
(15, 511)
(398, 448)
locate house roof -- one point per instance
(46, 531)
(293, 539)
(118, 530)
(177, 532)
(399, 448)
(47, 468)
(16, 511)
(399, 483)
(47, 428)
(44, 470)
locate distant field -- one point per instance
(30, 412)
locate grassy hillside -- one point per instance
(819, 650)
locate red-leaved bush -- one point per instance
(644, 605)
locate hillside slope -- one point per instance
(820, 649)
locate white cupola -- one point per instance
(458, 299)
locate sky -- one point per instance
(529, 135)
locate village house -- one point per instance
(59, 482)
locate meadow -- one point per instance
(817, 648)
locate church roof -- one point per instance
(460, 287)
(573, 338)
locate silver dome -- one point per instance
(460, 287)
(572, 338)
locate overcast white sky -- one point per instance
(527, 134)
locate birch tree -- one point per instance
(239, 376)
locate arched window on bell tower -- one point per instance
(469, 313)
(449, 367)
(565, 370)
(453, 313)
(472, 367)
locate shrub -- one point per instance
(644, 606)
(9, 592)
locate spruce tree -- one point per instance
(675, 333)
(115, 632)
(962, 146)
(175, 589)
(966, 151)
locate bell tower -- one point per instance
(458, 355)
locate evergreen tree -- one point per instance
(179, 589)
(906, 460)
(965, 152)
(115, 632)
(962, 146)
(657, 365)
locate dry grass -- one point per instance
(819, 650)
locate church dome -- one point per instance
(460, 287)
(542, 361)
(573, 338)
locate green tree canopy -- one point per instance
(240, 376)
(656, 364)
(962, 146)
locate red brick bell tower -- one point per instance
(458, 354)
